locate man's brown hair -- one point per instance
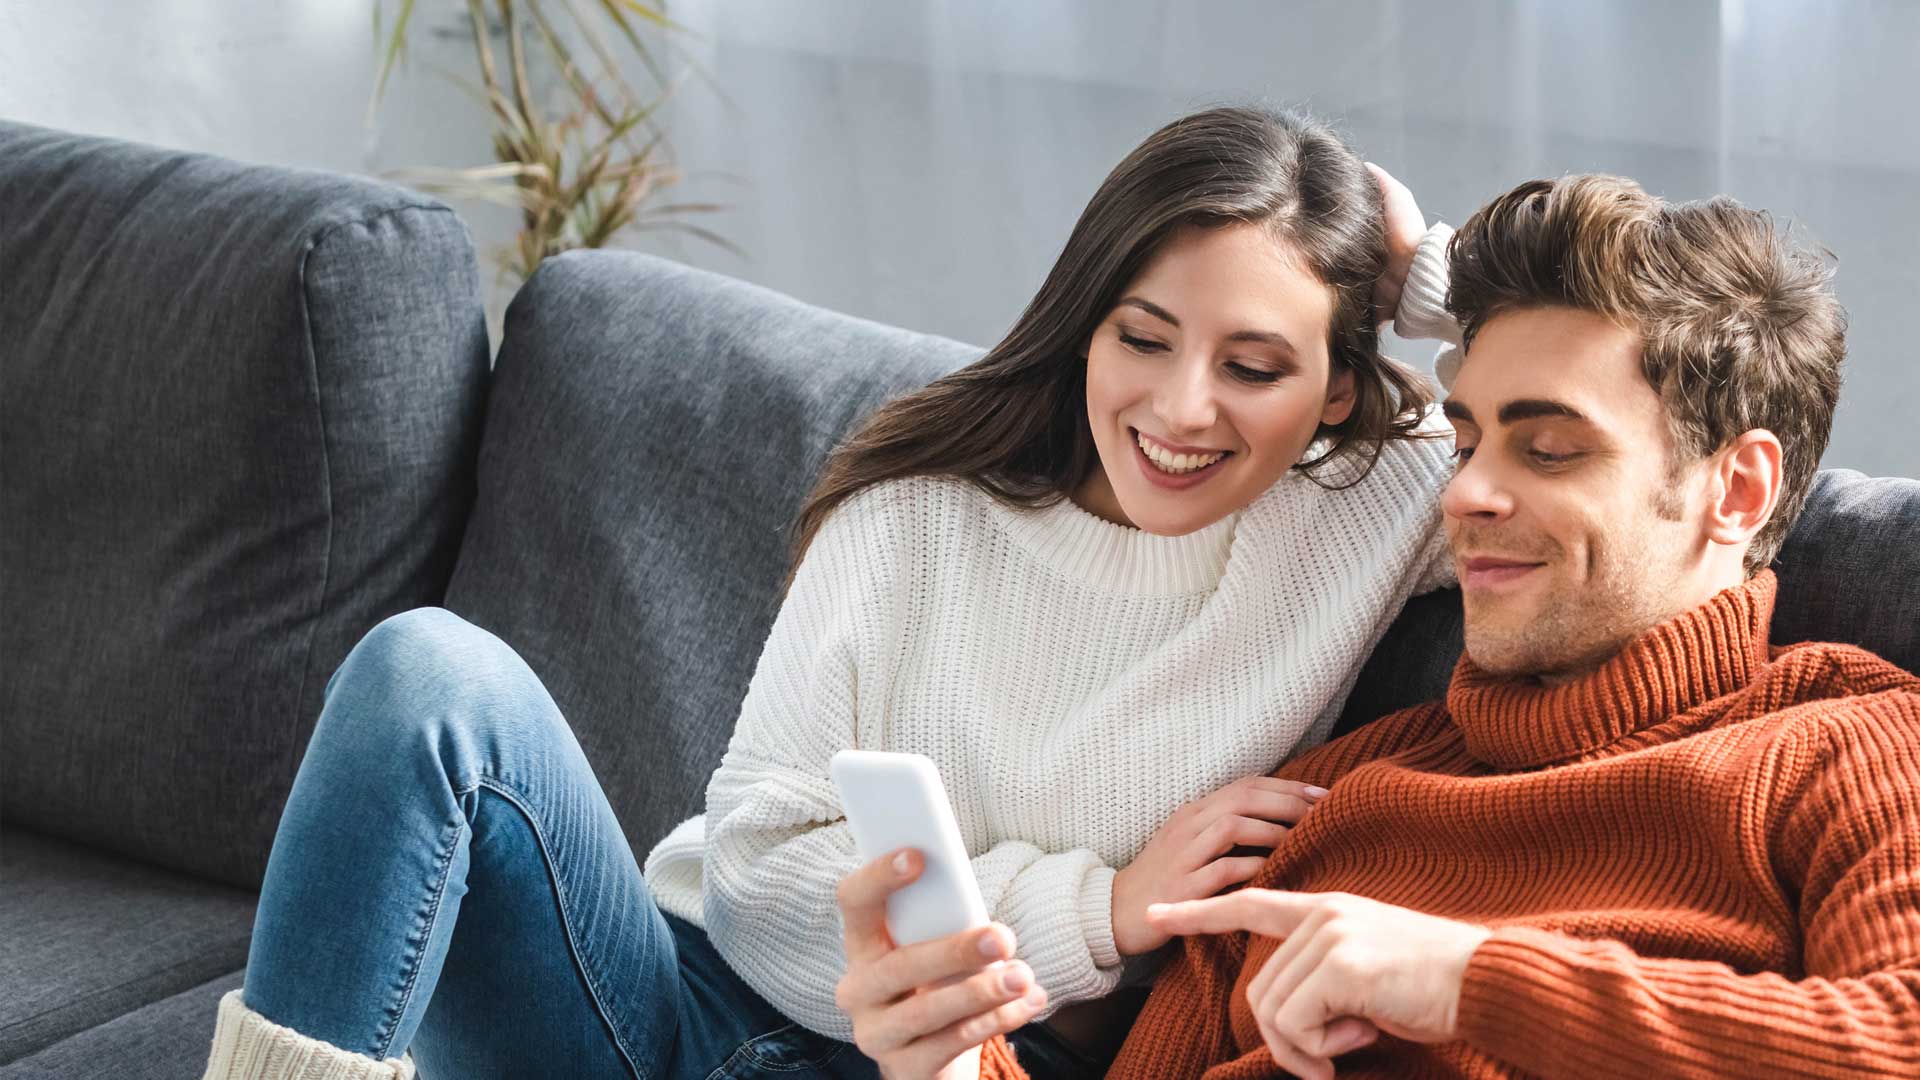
(1739, 328)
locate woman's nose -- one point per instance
(1185, 401)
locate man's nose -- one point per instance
(1184, 401)
(1477, 492)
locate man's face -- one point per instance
(1569, 532)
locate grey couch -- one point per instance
(245, 413)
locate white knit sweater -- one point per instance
(1075, 681)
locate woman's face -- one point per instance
(1207, 381)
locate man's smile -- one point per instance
(1490, 571)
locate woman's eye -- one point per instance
(1140, 344)
(1462, 454)
(1252, 374)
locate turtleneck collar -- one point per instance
(1688, 660)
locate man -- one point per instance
(1634, 838)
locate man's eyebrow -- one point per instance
(1534, 408)
(1264, 337)
(1456, 410)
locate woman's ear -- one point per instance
(1340, 397)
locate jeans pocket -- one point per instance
(789, 1051)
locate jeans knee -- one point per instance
(429, 656)
(423, 634)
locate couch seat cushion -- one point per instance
(87, 936)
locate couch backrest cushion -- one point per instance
(651, 433)
(1849, 572)
(239, 408)
(1850, 569)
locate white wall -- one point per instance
(921, 162)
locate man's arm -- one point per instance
(1848, 847)
(1559, 1006)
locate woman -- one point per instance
(1136, 552)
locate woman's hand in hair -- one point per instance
(1405, 227)
(1202, 850)
(917, 1009)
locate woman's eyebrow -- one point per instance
(1150, 308)
(1263, 337)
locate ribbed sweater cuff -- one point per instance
(248, 1046)
(1423, 300)
(1096, 916)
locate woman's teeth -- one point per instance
(1169, 462)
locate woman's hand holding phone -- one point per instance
(1190, 858)
(918, 1009)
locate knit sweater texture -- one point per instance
(1075, 681)
(1702, 860)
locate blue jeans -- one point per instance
(448, 877)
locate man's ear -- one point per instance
(1340, 397)
(1746, 487)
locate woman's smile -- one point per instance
(1173, 466)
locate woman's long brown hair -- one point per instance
(1014, 422)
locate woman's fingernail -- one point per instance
(1036, 998)
(1157, 910)
(1317, 792)
(902, 863)
(991, 946)
(1014, 978)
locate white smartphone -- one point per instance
(895, 801)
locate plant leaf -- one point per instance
(396, 46)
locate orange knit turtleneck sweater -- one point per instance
(1701, 860)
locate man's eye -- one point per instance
(1140, 344)
(1545, 458)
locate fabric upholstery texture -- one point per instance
(1850, 569)
(164, 1040)
(239, 408)
(86, 936)
(651, 433)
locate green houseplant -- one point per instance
(583, 162)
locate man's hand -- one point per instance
(916, 1009)
(1188, 857)
(1347, 969)
(1405, 227)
